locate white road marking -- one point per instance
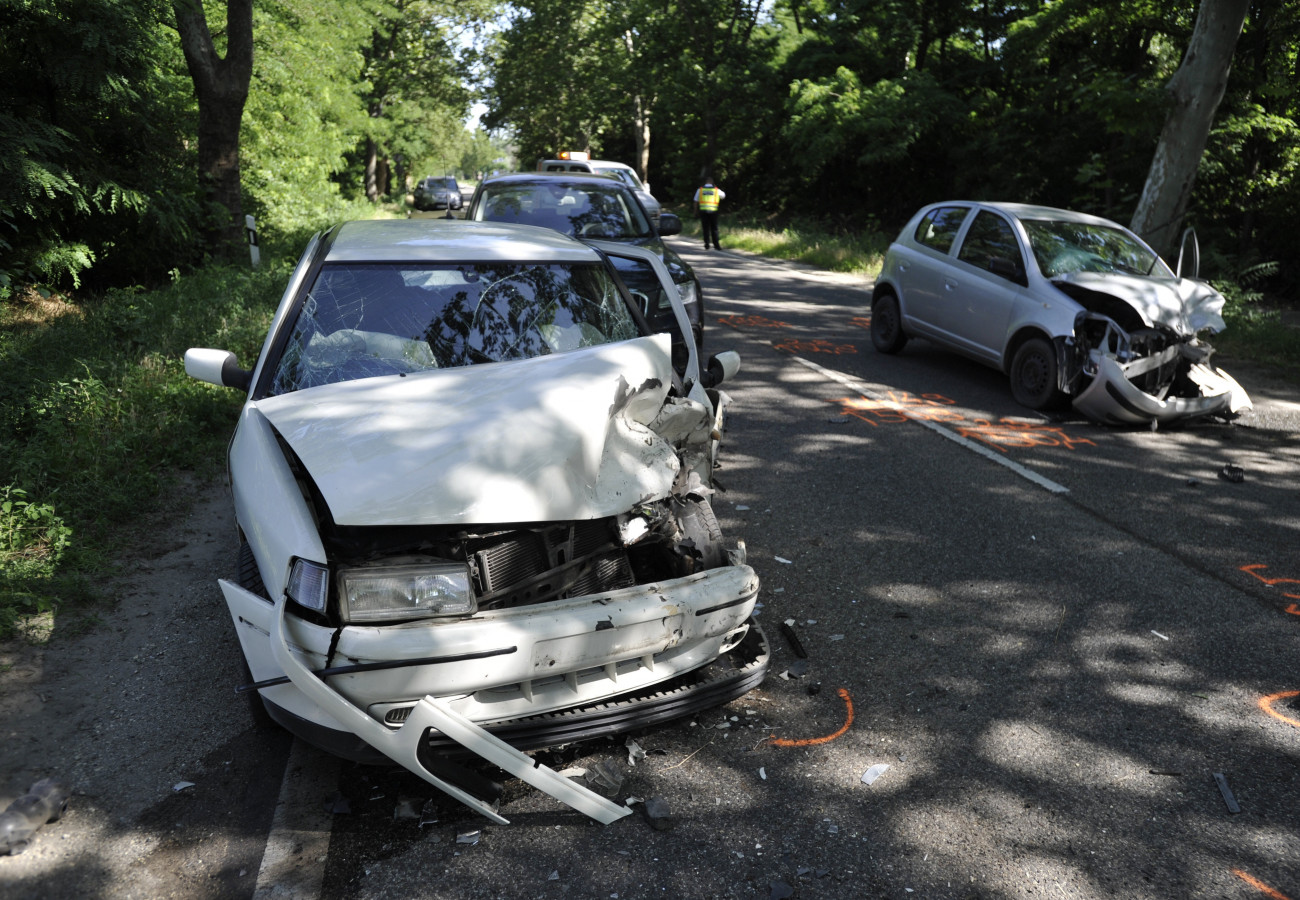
(293, 865)
(854, 384)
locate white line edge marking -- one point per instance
(293, 863)
(855, 385)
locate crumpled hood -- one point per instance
(553, 438)
(1185, 305)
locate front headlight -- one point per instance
(686, 290)
(397, 593)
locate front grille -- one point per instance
(551, 563)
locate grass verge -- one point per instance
(860, 252)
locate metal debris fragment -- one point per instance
(1226, 791)
(634, 752)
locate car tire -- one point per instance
(1033, 375)
(887, 324)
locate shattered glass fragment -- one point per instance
(605, 778)
(870, 776)
(779, 891)
(429, 814)
(469, 837)
(799, 668)
(634, 752)
(407, 808)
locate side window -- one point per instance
(991, 245)
(940, 226)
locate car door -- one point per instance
(921, 265)
(983, 285)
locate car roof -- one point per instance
(454, 240)
(588, 178)
(1029, 211)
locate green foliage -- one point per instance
(97, 415)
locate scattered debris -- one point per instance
(336, 804)
(45, 801)
(870, 776)
(740, 507)
(469, 837)
(836, 637)
(1234, 474)
(632, 801)
(782, 559)
(1159, 635)
(554, 876)
(406, 808)
(634, 752)
(658, 814)
(429, 814)
(574, 772)
(787, 629)
(605, 778)
(182, 785)
(762, 772)
(799, 668)
(780, 891)
(1230, 800)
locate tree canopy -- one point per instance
(850, 111)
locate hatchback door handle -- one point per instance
(949, 284)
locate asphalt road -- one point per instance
(1052, 634)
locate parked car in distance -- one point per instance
(580, 161)
(1071, 306)
(596, 207)
(472, 500)
(438, 192)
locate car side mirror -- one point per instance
(669, 224)
(1008, 269)
(722, 366)
(1193, 258)
(219, 367)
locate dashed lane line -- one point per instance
(293, 864)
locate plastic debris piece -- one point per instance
(835, 637)
(605, 777)
(780, 891)
(832, 829)
(1226, 791)
(469, 837)
(182, 785)
(762, 772)
(787, 629)
(554, 876)
(740, 507)
(722, 725)
(870, 776)
(1159, 635)
(634, 752)
(658, 813)
(407, 808)
(45, 801)
(574, 772)
(784, 676)
(429, 813)
(1234, 474)
(782, 559)
(799, 668)
(337, 804)
(632, 801)
(778, 590)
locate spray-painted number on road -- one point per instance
(796, 345)
(899, 406)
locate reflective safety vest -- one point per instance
(709, 199)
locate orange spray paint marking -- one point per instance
(751, 322)
(1009, 433)
(797, 345)
(899, 407)
(1293, 609)
(1260, 886)
(1272, 582)
(1266, 704)
(809, 742)
(861, 322)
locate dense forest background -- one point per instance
(851, 112)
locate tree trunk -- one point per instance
(641, 136)
(1195, 92)
(221, 86)
(372, 170)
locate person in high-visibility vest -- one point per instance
(706, 201)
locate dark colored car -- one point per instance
(599, 208)
(438, 192)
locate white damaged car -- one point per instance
(472, 497)
(1072, 307)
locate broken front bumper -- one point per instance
(543, 674)
(1111, 398)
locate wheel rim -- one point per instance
(1034, 373)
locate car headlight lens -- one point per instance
(309, 584)
(686, 290)
(393, 593)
